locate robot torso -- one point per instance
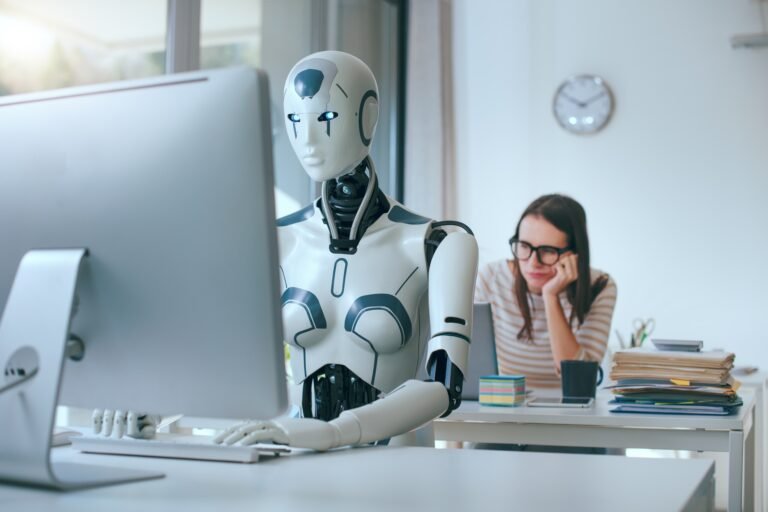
(365, 311)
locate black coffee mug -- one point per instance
(580, 378)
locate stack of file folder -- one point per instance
(673, 382)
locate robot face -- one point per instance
(331, 108)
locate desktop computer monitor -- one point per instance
(136, 223)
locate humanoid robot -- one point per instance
(359, 274)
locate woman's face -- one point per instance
(537, 231)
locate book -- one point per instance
(704, 359)
(654, 409)
(708, 367)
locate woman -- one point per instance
(548, 304)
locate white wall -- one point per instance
(675, 186)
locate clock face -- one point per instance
(583, 104)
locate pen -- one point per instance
(621, 340)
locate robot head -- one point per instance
(331, 106)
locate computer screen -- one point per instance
(167, 182)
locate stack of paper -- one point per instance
(674, 382)
(705, 367)
(507, 390)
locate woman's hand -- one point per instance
(566, 272)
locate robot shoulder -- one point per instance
(437, 234)
(401, 215)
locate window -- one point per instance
(49, 44)
(45, 44)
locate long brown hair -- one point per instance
(567, 215)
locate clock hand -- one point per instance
(574, 100)
(593, 98)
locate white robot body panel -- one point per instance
(451, 284)
(362, 310)
(341, 87)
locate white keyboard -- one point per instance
(177, 446)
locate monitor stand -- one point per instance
(34, 331)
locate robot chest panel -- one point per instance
(370, 298)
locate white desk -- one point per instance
(390, 478)
(758, 381)
(597, 427)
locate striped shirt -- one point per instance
(495, 285)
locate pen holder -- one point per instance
(502, 390)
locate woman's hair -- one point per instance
(567, 215)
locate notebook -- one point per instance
(680, 345)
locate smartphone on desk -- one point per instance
(561, 402)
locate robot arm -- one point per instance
(451, 286)
(452, 273)
(452, 276)
(409, 406)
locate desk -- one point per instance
(597, 427)
(389, 478)
(758, 381)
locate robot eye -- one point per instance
(294, 118)
(327, 116)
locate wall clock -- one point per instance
(583, 104)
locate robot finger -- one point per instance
(132, 423)
(246, 430)
(96, 420)
(147, 424)
(107, 422)
(118, 427)
(220, 438)
(147, 432)
(141, 425)
(143, 419)
(272, 435)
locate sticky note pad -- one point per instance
(502, 390)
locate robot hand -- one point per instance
(296, 432)
(117, 423)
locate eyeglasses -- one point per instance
(546, 254)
